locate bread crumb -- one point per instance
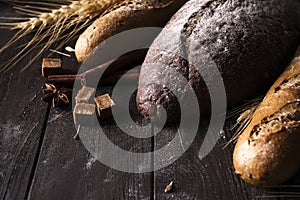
(169, 187)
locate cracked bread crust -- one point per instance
(267, 152)
(250, 42)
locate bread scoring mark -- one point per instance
(188, 27)
(282, 121)
(292, 83)
(209, 8)
(287, 118)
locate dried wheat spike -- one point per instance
(245, 113)
(50, 20)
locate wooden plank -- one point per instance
(20, 143)
(67, 170)
(209, 178)
(22, 120)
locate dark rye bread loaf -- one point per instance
(250, 42)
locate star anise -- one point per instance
(55, 96)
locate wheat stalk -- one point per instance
(49, 20)
(245, 113)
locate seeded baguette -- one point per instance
(267, 152)
(249, 41)
(123, 16)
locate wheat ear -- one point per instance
(245, 113)
(49, 20)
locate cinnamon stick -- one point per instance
(114, 70)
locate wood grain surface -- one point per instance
(41, 160)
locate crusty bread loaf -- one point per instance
(250, 42)
(267, 152)
(125, 15)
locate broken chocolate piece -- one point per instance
(85, 95)
(51, 66)
(104, 104)
(84, 114)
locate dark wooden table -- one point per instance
(41, 160)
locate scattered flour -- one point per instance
(90, 162)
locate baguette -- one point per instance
(125, 15)
(267, 152)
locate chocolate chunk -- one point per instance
(51, 66)
(84, 114)
(85, 95)
(104, 104)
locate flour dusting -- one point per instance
(90, 162)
